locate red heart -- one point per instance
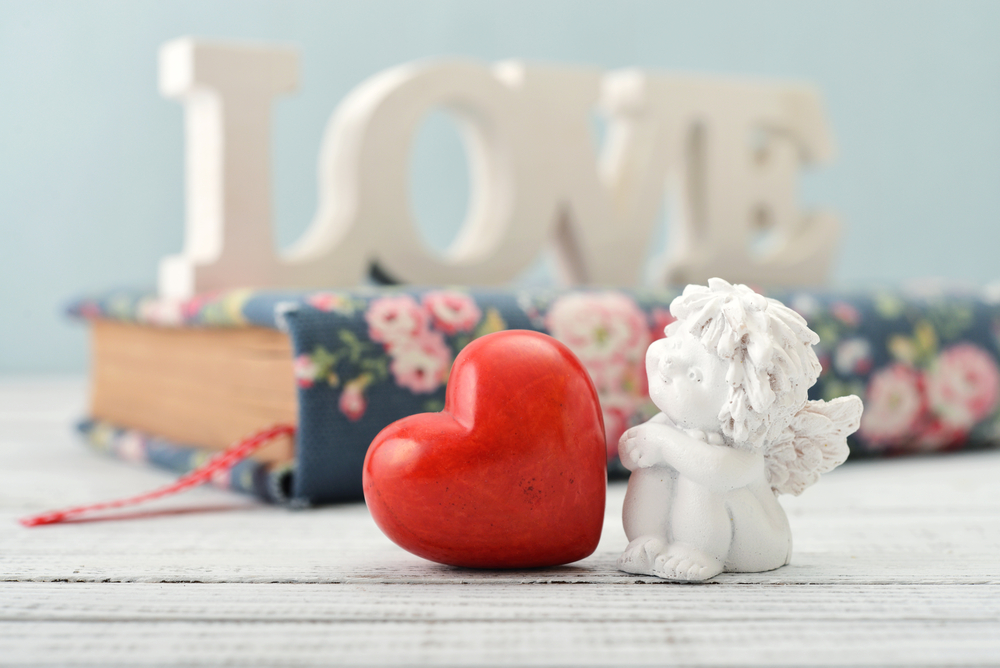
(512, 474)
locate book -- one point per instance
(173, 381)
(202, 385)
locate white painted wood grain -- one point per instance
(896, 563)
(467, 625)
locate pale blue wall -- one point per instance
(91, 156)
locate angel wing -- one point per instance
(814, 443)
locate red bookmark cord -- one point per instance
(220, 462)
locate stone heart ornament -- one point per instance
(511, 474)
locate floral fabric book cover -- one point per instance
(925, 365)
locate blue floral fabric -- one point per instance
(925, 365)
(268, 482)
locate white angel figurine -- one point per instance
(736, 430)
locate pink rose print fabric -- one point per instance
(395, 320)
(925, 365)
(895, 405)
(931, 408)
(452, 312)
(352, 401)
(408, 341)
(421, 364)
(962, 386)
(610, 333)
(306, 371)
(420, 359)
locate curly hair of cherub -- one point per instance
(772, 365)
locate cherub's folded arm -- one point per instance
(718, 467)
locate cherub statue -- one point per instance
(736, 429)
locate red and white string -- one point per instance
(220, 462)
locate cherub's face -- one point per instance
(686, 381)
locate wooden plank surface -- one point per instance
(895, 563)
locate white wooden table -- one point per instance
(896, 563)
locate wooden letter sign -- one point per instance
(724, 153)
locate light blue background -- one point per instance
(91, 191)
